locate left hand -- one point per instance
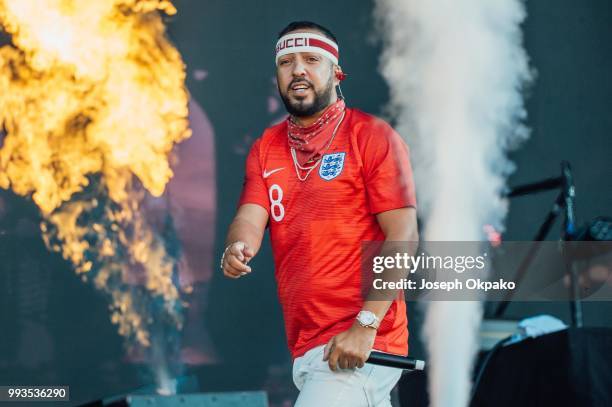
(351, 348)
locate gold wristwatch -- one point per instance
(368, 319)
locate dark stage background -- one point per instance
(56, 330)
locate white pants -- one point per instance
(368, 386)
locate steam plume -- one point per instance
(455, 71)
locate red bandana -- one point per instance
(309, 142)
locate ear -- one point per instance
(339, 75)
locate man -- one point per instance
(326, 180)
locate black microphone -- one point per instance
(401, 362)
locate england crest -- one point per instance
(331, 166)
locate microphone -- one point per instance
(569, 195)
(401, 362)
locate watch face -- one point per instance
(367, 318)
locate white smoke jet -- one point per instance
(455, 69)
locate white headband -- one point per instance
(306, 42)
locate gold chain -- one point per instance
(298, 167)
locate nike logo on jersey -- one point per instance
(266, 174)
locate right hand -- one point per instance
(237, 256)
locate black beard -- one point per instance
(321, 101)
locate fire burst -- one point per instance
(92, 100)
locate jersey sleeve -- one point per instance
(387, 170)
(254, 188)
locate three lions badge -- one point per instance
(331, 165)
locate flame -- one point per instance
(92, 101)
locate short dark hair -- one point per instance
(297, 25)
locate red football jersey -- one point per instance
(317, 226)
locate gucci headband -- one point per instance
(307, 42)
